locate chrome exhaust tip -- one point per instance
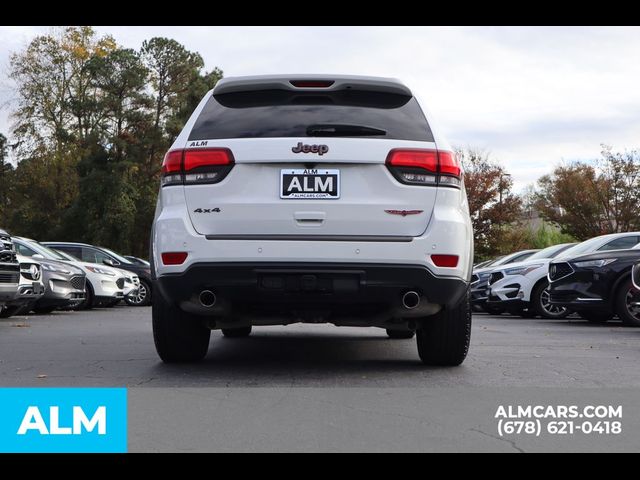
(207, 298)
(410, 300)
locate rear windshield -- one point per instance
(282, 113)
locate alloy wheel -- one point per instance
(633, 303)
(545, 302)
(139, 297)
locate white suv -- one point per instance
(311, 199)
(523, 286)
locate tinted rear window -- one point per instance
(281, 113)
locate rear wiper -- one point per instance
(339, 130)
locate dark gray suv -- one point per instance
(64, 284)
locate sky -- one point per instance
(531, 97)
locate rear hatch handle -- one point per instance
(309, 219)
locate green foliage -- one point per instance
(93, 122)
(6, 180)
(492, 204)
(587, 200)
(522, 236)
(547, 235)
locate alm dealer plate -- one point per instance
(310, 183)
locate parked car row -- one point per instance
(592, 278)
(44, 276)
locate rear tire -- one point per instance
(443, 338)
(626, 298)
(541, 306)
(237, 332)
(178, 336)
(400, 334)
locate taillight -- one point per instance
(444, 260)
(450, 169)
(202, 165)
(425, 167)
(172, 168)
(174, 258)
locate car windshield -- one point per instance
(66, 256)
(120, 258)
(493, 262)
(579, 249)
(548, 252)
(46, 252)
(143, 262)
(522, 255)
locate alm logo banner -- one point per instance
(59, 420)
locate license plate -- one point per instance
(310, 183)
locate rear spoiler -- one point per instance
(315, 83)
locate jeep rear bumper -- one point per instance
(334, 292)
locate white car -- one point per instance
(523, 286)
(297, 198)
(480, 280)
(104, 284)
(30, 288)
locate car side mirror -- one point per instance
(110, 262)
(37, 256)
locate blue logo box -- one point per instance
(63, 420)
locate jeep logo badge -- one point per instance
(303, 148)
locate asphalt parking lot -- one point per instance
(348, 388)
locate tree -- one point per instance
(568, 198)
(56, 113)
(587, 200)
(93, 123)
(6, 180)
(38, 191)
(177, 85)
(54, 87)
(120, 77)
(172, 69)
(492, 204)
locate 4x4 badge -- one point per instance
(207, 210)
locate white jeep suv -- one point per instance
(311, 199)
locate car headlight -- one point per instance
(101, 271)
(523, 270)
(595, 263)
(54, 268)
(484, 276)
